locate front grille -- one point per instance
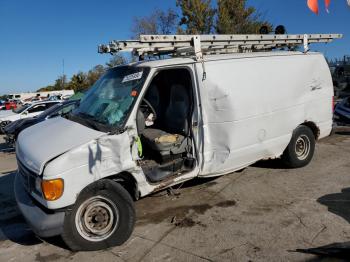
(28, 178)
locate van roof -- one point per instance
(190, 60)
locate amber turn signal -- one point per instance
(52, 189)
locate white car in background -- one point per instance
(2, 105)
(27, 110)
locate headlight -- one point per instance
(52, 189)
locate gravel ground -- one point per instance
(264, 213)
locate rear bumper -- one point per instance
(42, 223)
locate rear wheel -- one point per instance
(103, 217)
(301, 148)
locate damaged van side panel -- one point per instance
(252, 105)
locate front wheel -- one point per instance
(300, 149)
(103, 217)
(3, 124)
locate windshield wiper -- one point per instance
(88, 120)
(91, 117)
(86, 115)
(83, 119)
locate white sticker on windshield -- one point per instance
(132, 77)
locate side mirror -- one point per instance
(25, 113)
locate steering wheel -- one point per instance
(147, 109)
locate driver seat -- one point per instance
(173, 138)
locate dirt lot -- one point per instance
(264, 213)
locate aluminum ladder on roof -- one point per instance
(199, 45)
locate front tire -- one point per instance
(300, 149)
(102, 217)
(3, 124)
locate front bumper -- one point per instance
(42, 223)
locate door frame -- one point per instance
(195, 121)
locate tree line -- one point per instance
(202, 17)
(191, 17)
(83, 80)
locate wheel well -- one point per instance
(315, 130)
(128, 182)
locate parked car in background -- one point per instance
(65, 97)
(55, 98)
(341, 78)
(42, 94)
(29, 110)
(342, 112)
(13, 129)
(9, 105)
(2, 105)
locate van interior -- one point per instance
(163, 121)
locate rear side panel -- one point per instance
(251, 106)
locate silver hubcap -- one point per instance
(302, 147)
(97, 218)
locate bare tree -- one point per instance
(159, 22)
(116, 60)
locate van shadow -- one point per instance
(208, 181)
(270, 164)
(343, 133)
(12, 224)
(13, 227)
(342, 129)
(339, 204)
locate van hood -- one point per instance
(41, 143)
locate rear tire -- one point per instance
(300, 149)
(102, 217)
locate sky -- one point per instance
(36, 36)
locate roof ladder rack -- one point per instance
(199, 45)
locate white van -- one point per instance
(149, 125)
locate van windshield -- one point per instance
(109, 101)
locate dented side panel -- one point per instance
(83, 165)
(252, 105)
